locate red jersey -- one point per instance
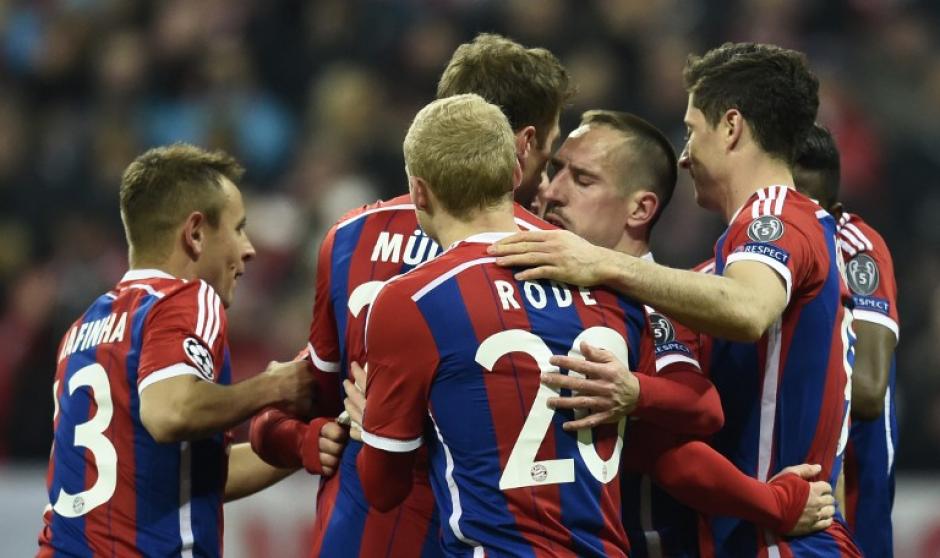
(364, 249)
(113, 490)
(507, 478)
(785, 397)
(869, 457)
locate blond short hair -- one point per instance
(465, 149)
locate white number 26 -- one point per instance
(521, 468)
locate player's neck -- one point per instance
(633, 246)
(761, 172)
(495, 219)
(175, 265)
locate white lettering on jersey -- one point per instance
(387, 247)
(535, 293)
(420, 247)
(586, 297)
(506, 295)
(92, 334)
(562, 295)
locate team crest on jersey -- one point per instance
(862, 274)
(663, 332)
(200, 356)
(765, 229)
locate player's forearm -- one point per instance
(248, 474)
(682, 402)
(700, 477)
(386, 477)
(873, 350)
(198, 409)
(711, 304)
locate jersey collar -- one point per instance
(483, 238)
(141, 274)
(750, 199)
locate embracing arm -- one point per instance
(740, 305)
(700, 477)
(186, 407)
(248, 474)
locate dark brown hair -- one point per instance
(165, 184)
(653, 160)
(529, 84)
(772, 87)
(817, 169)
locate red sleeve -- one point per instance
(700, 477)
(677, 396)
(284, 441)
(397, 390)
(680, 400)
(776, 230)
(184, 334)
(323, 344)
(869, 271)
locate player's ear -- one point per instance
(517, 175)
(420, 193)
(193, 234)
(733, 126)
(643, 207)
(524, 139)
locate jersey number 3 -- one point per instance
(90, 435)
(521, 468)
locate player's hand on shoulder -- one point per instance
(294, 383)
(608, 391)
(820, 504)
(558, 255)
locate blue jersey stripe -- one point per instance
(485, 515)
(874, 470)
(157, 471)
(344, 248)
(348, 518)
(579, 500)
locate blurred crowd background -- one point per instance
(314, 98)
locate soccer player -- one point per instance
(373, 244)
(612, 179)
(479, 342)
(873, 436)
(141, 460)
(781, 356)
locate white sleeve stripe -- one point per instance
(877, 318)
(847, 246)
(778, 207)
(391, 444)
(781, 269)
(669, 360)
(217, 305)
(172, 371)
(861, 236)
(211, 312)
(847, 235)
(768, 204)
(201, 319)
(324, 365)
